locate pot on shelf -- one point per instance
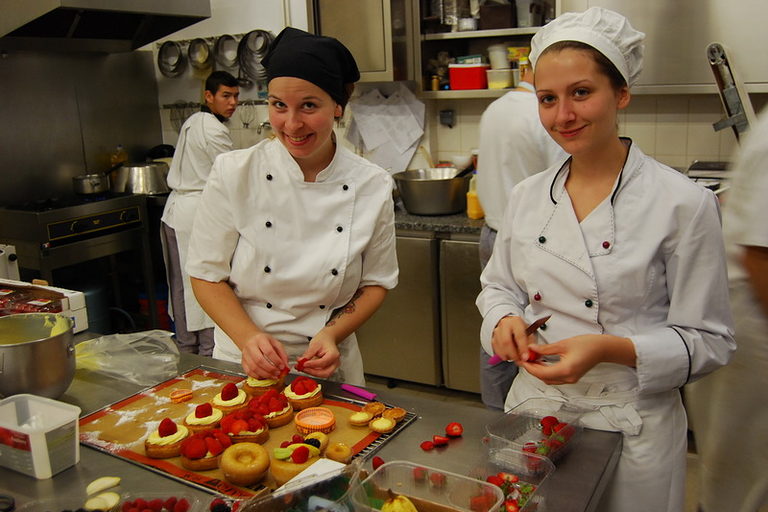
(142, 178)
(433, 191)
(37, 354)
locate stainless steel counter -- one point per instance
(575, 486)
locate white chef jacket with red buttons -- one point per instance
(294, 251)
(647, 264)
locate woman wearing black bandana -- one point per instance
(294, 242)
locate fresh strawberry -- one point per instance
(227, 421)
(427, 445)
(170, 503)
(275, 405)
(300, 364)
(194, 448)
(298, 387)
(300, 455)
(547, 422)
(310, 384)
(218, 502)
(532, 356)
(229, 391)
(419, 474)
(439, 440)
(454, 429)
(203, 410)
(495, 480)
(213, 446)
(529, 447)
(285, 444)
(238, 426)
(508, 477)
(223, 439)
(167, 427)
(437, 479)
(285, 371)
(254, 425)
(156, 505)
(480, 503)
(511, 506)
(376, 462)
(181, 506)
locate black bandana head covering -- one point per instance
(323, 61)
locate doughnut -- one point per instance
(339, 452)
(360, 418)
(244, 464)
(382, 425)
(375, 408)
(395, 413)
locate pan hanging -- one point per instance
(252, 49)
(225, 51)
(170, 59)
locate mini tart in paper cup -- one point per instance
(315, 419)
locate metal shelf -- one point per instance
(471, 34)
(463, 94)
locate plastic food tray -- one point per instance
(530, 470)
(522, 425)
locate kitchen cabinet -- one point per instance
(379, 33)
(677, 36)
(459, 317)
(402, 339)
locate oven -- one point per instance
(53, 235)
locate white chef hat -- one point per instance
(607, 31)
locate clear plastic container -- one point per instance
(521, 476)
(522, 429)
(428, 488)
(157, 497)
(70, 501)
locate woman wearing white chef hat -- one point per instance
(627, 256)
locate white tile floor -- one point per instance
(472, 399)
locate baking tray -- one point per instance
(119, 429)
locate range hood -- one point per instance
(94, 25)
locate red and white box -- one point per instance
(468, 76)
(23, 297)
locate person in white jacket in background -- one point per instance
(293, 246)
(513, 146)
(202, 138)
(727, 408)
(625, 254)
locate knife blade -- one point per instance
(532, 328)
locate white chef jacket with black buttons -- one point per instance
(647, 264)
(294, 251)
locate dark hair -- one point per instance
(604, 65)
(219, 78)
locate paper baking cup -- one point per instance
(315, 419)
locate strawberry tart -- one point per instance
(304, 392)
(245, 425)
(204, 417)
(289, 461)
(258, 387)
(165, 442)
(230, 399)
(274, 407)
(201, 451)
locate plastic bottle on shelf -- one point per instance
(119, 156)
(474, 209)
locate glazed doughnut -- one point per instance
(395, 413)
(360, 418)
(339, 452)
(382, 425)
(244, 464)
(375, 408)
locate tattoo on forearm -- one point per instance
(348, 308)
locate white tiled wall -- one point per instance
(674, 129)
(242, 137)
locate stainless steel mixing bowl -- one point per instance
(433, 191)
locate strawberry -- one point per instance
(238, 426)
(376, 462)
(223, 439)
(495, 480)
(480, 503)
(226, 422)
(229, 391)
(532, 356)
(454, 429)
(419, 474)
(547, 422)
(511, 506)
(254, 425)
(213, 446)
(203, 410)
(311, 385)
(167, 428)
(275, 405)
(285, 444)
(508, 477)
(299, 387)
(170, 503)
(300, 364)
(296, 438)
(427, 445)
(156, 505)
(285, 371)
(300, 455)
(194, 448)
(439, 440)
(181, 506)
(217, 504)
(437, 480)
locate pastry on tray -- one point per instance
(304, 392)
(201, 451)
(374, 408)
(165, 442)
(394, 413)
(382, 425)
(244, 463)
(339, 452)
(274, 407)
(230, 398)
(360, 418)
(258, 387)
(289, 461)
(245, 425)
(204, 417)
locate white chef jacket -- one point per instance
(294, 251)
(201, 139)
(513, 146)
(734, 475)
(648, 264)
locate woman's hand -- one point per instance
(263, 356)
(509, 340)
(322, 356)
(578, 355)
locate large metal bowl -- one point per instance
(433, 191)
(146, 178)
(37, 354)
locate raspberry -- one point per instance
(156, 505)
(219, 505)
(300, 455)
(285, 444)
(170, 503)
(229, 391)
(427, 445)
(166, 428)
(203, 410)
(181, 506)
(296, 438)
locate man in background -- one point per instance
(513, 146)
(202, 138)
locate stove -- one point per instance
(59, 232)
